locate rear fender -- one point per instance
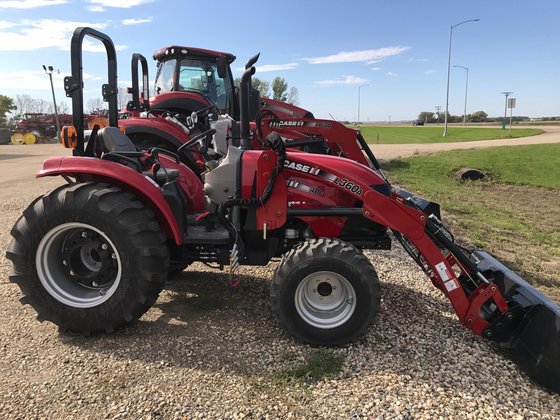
(92, 169)
(157, 126)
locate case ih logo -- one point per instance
(301, 167)
(277, 124)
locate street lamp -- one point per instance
(359, 88)
(505, 110)
(49, 70)
(449, 70)
(466, 90)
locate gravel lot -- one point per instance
(205, 352)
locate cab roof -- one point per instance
(179, 51)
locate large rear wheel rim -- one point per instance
(325, 299)
(78, 265)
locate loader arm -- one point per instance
(487, 297)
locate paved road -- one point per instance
(392, 151)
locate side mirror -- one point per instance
(221, 64)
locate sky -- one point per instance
(392, 55)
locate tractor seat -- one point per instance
(112, 140)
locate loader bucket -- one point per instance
(530, 330)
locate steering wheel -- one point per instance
(188, 145)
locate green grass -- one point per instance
(320, 364)
(433, 134)
(535, 165)
(515, 214)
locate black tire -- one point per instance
(88, 257)
(325, 292)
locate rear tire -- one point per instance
(88, 257)
(325, 292)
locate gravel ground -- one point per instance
(205, 352)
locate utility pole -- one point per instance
(438, 110)
(49, 70)
(449, 70)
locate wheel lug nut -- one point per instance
(114, 256)
(94, 284)
(64, 262)
(84, 234)
(314, 290)
(72, 273)
(104, 247)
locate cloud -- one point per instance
(38, 80)
(101, 5)
(35, 80)
(430, 72)
(376, 68)
(391, 74)
(135, 21)
(271, 67)
(29, 35)
(369, 56)
(30, 4)
(416, 60)
(347, 80)
(5, 24)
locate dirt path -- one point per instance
(20, 163)
(392, 151)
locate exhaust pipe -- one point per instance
(244, 106)
(530, 330)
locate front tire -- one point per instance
(325, 292)
(88, 257)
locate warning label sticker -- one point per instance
(443, 271)
(451, 285)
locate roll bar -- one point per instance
(135, 104)
(74, 84)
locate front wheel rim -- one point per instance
(325, 299)
(78, 265)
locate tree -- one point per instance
(6, 105)
(263, 86)
(279, 89)
(427, 116)
(293, 96)
(94, 105)
(122, 98)
(479, 116)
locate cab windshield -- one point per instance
(194, 75)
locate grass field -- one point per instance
(515, 214)
(399, 134)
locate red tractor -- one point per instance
(193, 81)
(92, 255)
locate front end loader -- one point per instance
(93, 255)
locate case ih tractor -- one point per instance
(193, 81)
(92, 255)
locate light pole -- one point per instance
(505, 109)
(359, 88)
(49, 70)
(466, 90)
(449, 70)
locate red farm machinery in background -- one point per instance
(92, 255)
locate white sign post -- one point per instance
(511, 104)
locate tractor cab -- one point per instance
(189, 79)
